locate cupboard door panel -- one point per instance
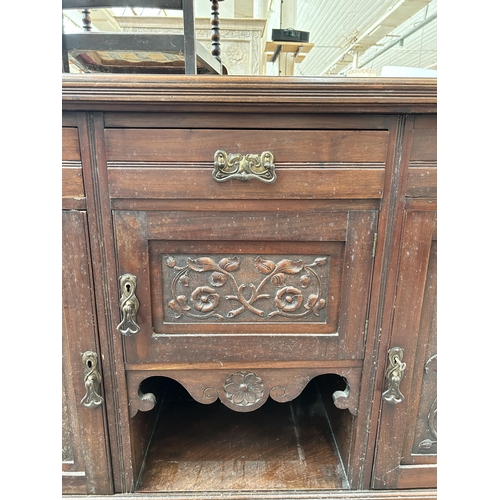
(287, 286)
(85, 460)
(407, 441)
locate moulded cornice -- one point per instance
(158, 92)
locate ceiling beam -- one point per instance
(386, 24)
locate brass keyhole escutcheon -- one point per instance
(92, 380)
(129, 305)
(394, 374)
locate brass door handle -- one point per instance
(129, 305)
(394, 374)
(92, 380)
(243, 167)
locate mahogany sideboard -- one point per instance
(249, 287)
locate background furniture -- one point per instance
(123, 52)
(255, 271)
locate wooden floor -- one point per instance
(280, 446)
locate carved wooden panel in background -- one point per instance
(425, 440)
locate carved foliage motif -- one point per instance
(208, 287)
(429, 445)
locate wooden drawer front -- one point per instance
(178, 163)
(422, 182)
(424, 144)
(273, 286)
(422, 173)
(72, 181)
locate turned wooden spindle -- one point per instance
(87, 21)
(215, 30)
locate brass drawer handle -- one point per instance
(244, 167)
(92, 380)
(129, 305)
(394, 374)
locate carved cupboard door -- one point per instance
(203, 286)
(216, 270)
(407, 440)
(85, 462)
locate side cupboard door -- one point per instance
(406, 451)
(86, 466)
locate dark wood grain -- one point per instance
(280, 446)
(426, 121)
(212, 94)
(269, 121)
(70, 144)
(143, 182)
(420, 444)
(152, 205)
(179, 233)
(286, 145)
(396, 466)
(280, 383)
(69, 119)
(420, 494)
(90, 127)
(364, 436)
(90, 470)
(261, 226)
(72, 182)
(356, 157)
(424, 147)
(422, 182)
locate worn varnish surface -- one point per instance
(245, 94)
(413, 423)
(407, 440)
(86, 468)
(72, 180)
(354, 157)
(145, 238)
(279, 446)
(289, 145)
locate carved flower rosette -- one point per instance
(210, 287)
(244, 388)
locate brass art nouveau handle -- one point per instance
(244, 167)
(92, 380)
(129, 305)
(394, 374)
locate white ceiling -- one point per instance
(371, 34)
(368, 27)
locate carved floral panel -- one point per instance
(425, 439)
(245, 288)
(426, 428)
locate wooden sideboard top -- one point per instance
(103, 92)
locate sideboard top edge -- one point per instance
(145, 90)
